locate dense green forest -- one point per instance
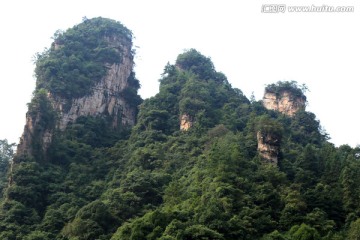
(73, 64)
(155, 181)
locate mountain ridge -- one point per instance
(104, 94)
(238, 170)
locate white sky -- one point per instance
(251, 48)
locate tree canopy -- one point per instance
(79, 56)
(209, 182)
(290, 86)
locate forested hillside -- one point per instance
(200, 162)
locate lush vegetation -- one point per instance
(293, 87)
(79, 57)
(6, 155)
(158, 182)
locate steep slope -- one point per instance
(285, 97)
(192, 166)
(86, 72)
(85, 98)
(193, 95)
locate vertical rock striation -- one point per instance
(268, 147)
(186, 122)
(284, 102)
(107, 97)
(287, 98)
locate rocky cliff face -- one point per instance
(107, 98)
(268, 147)
(284, 102)
(186, 122)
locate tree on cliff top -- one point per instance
(79, 56)
(289, 86)
(162, 183)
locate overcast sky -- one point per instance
(251, 48)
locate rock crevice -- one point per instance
(186, 122)
(284, 102)
(268, 147)
(106, 98)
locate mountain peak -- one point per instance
(88, 71)
(285, 97)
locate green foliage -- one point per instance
(196, 63)
(306, 129)
(130, 93)
(16, 219)
(91, 222)
(38, 235)
(193, 87)
(303, 232)
(290, 86)
(79, 57)
(201, 232)
(275, 235)
(41, 112)
(354, 231)
(29, 185)
(269, 127)
(95, 131)
(157, 182)
(6, 156)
